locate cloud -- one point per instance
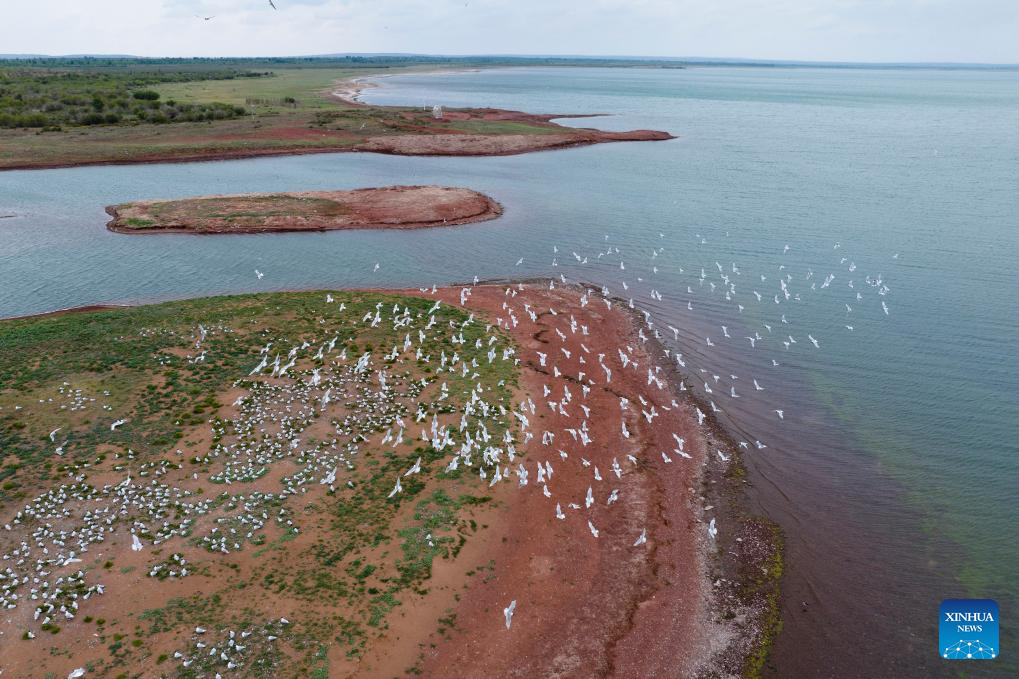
(847, 30)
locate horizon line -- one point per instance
(618, 57)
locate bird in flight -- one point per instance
(273, 5)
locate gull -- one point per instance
(594, 531)
(781, 415)
(642, 539)
(396, 489)
(813, 341)
(520, 261)
(376, 267)
(53, 434)
(258, 274)
(77, 674)
(712, 531)
(757, 386)
(136, 544)
(884, 307)
(113, 427)
(508, 613)
(722, 456)
(271, 4)
(559, 512)
(753, 342)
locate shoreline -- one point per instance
(416, 138)
(389, 207)
(714, 588)
(350, 90)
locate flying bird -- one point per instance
(508, 613)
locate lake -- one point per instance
(894, 467)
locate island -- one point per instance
(389, 207)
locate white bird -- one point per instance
(258, 274)
(77, 674)
(508, 613)
(396, 489)
(642, 539)
(118, 423)
(53, 434)
(712, 531)
(136, 544)
(594, 531)
(781, 415)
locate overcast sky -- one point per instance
(830, 30)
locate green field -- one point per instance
(306, 85)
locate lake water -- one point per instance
(895, 467)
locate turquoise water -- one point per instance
(895, 470)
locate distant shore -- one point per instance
(350, 127)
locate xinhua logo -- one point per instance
(968, 629)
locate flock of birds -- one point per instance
(294, 384)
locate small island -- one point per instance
(390, 207)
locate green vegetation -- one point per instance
(51, 98)
(117, 109)
(251, 522)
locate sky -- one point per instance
(980, 31)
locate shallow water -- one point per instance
(894, 471)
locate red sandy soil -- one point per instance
(393, 207)
(403, 132)
(586, 607)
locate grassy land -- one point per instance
(228, 479)
(70, 112)
(304, 85)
